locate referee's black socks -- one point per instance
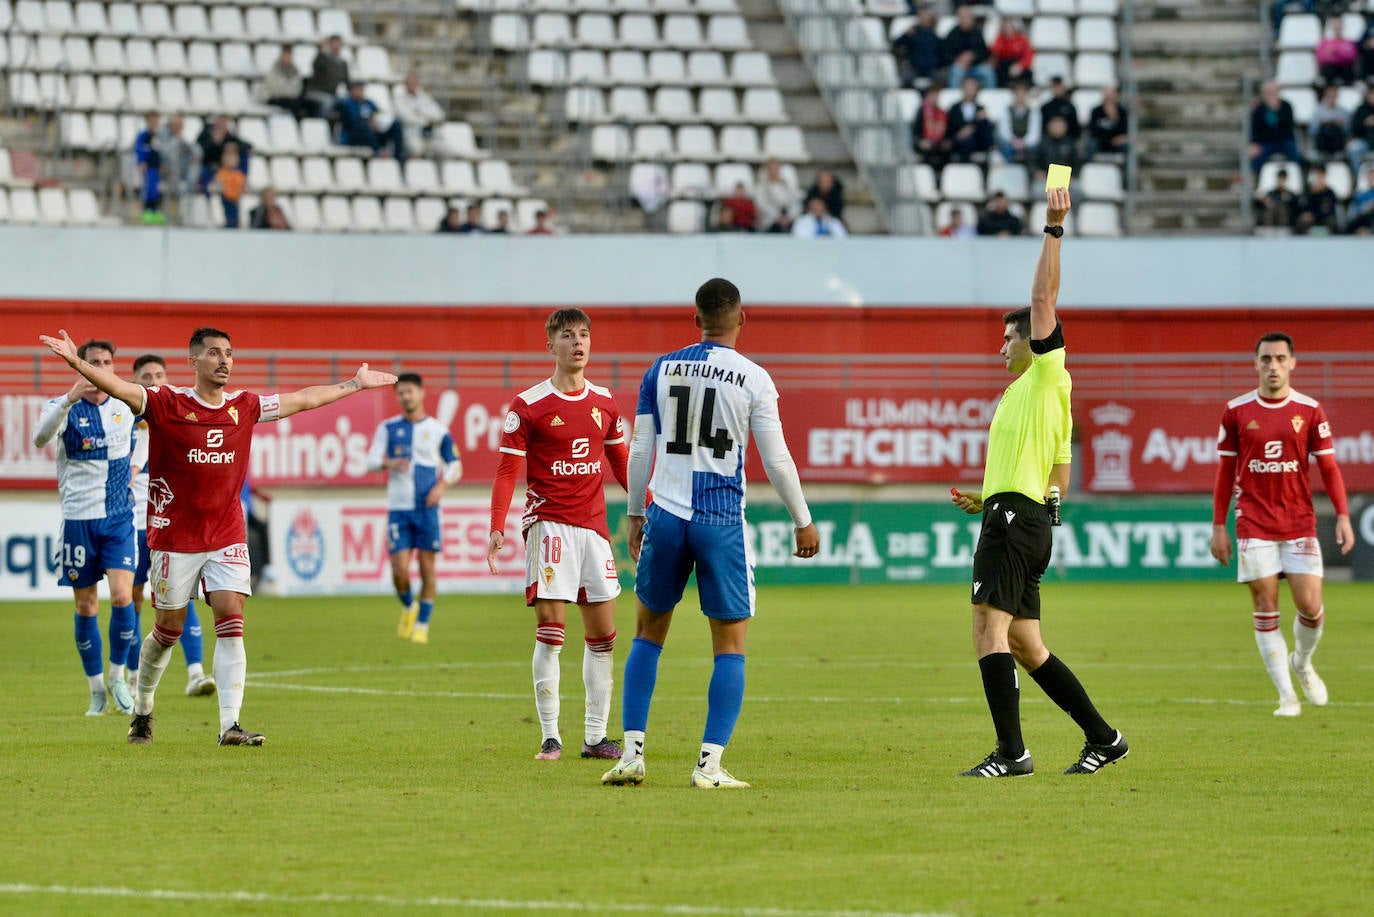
(1004, 701)
(1063, 687)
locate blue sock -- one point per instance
(137, 646)
(406, 598)
(426, 609)
(191, 644)
(88, 645)
(724, 698)
(121, 632)
(641, 673)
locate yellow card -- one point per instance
(1057, 176)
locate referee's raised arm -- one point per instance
(1045, 286)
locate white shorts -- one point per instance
(174, 576)
(1260, 558)
(566, 563)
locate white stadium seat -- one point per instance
(667, 68)
(696, 142)
(718, 104)
(728, 32)
(683, 32)
(1268, 177)
(1050, 33)
(962, 181)
(349, 175)
(686, 217)
(741, 142)
(305, 213)
(398, 215)
(551, 30)
(594, 30)
(1096, 218)
(630, 103)
(707, 68)
(637, 30)
(1010, 179)
(1101, 181)
(547, 67)
(494, 177)
(752, 68)
(1296, 68)
(1093, 69)
(690, 179)
(729, 174)
(384, 176)
(458, 178)
(587, 67)
(584, 104)
(1095, 33)
(422, 176)
(610, 143)
(652, 141)
(764, 106)
(335, 214)
(674, 105)
(626, 68)
(785, 142)
(918, 180)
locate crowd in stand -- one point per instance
(1334, 134)
(777, 205)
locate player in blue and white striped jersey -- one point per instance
(94, 436)
(420, 459)
(697, 409)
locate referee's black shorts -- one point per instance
(1013, 552)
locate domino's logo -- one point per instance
(305, 546)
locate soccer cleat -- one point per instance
(1313, 688)
(407, 624)
(119, 693)
(626, 773)
(716, 780)
(235, 735)
(1288, 707)
(141, 729)
(999, 765)
(100, 703)
(603, 749)
(551, 750)
(419, 635)
(1095, 757)
(200, 686)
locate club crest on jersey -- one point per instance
(1297, 424)
(596, 416)
(556, 422)
(234, 415)
(548, 576)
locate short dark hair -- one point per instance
(566, 318)
(200, 334)
(1272, 337)
(147, 358)
(1021, 318)
(716, 299)
(93, 344)
(412, 378)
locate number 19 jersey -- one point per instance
(704, 399)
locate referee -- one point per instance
(1028, 453)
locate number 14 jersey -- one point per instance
(704, 399)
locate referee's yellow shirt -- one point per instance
(1030, 429)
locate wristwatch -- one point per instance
(1056, 231)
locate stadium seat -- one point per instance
(349, 175)
(1299, 32)
(429, 213)
(1057, 7)
(253, 130)
(492, 209)
(1101, 181)
(610, 143)
(190, 21)
(141, 94)
(76, 54)
(707, 6)
(4, 206)
(667, 68)
(398, 215)
(285, 174)
(1095, 33)
(683, 32)
(527, 212)
(303, 212)
(652, 141)
(707, 68)
(23, 206)
(1099, 8)
(783, 142)
(673, 104)
(336, 22)
(1050, 33)
(764, 106)
(204, 97)
(52, 206)
(286, 134)
(139, 56)
(82, 207)
(752, 68)
(1296, 68)
(696, 142)
(335, 214)
(594, 30)
(156, 20)
(857, 106)
(1304, 102)
(741, 142)
(1010, 179)
(84, 95)
(510, 32)
(719, 104)
(1339, 180)
(456, 138)
(458, 178)
(1268, 177)
(1051, 64)
(729, 174)
(1022, 9)
(384, 177)
(945, 208)
(494, 177)
(1084, 101)
(367, 214)
(686, 217)
(876, 145)
(584, 104)
(1096, 218)
(298, 24)
(629, 103)
(90, 19)
(422, 177)
(1093, 69)
(638, 30)
(626, 68)
(547, 67)
(122, 19)
(75, 132)
(259, 176)
(918, 180)
(226, 23)
(690, 179)
(587, 67)
(551, 30)
(962, 181)
(202, 59)
(728, 32)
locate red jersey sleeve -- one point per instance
(515, 429)
(1319, 433)
(1228, 442)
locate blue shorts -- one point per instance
(413, 528)
(724, 565)
(92, 546)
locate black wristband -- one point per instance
(1056, 231)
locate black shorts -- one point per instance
(1013, 552)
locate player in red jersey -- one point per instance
(1265, 440)
(567, 430)
(198, 460)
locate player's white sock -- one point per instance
(634, 745)
(230, 665)
(115, 672)
(1274, 651)
(153, 657)
(598, 678)
(194, 670)
(97, 683)
(1307, 633)
(548, 644)
(708, 762)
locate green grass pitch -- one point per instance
(399, 778)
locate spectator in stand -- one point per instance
(1362, 129)
(452, 221)
(1318, 210)
(1060, 104)
(1329, 129)
(930, 131)
(920, 52)
(360, 126)
(326, 76)
(746, 214)
(1055, 146)
(817, 222)
(997, 219)
(970, 130)
(957, 228)
(1108, 128)
(543, 223)
(473, 224)
(282, 85)
(1012, 53)
(1367, 50)
(149, 161)
(268, 214)
(1018, 129)
(419, 112)
(1271, 128)
(502, 227)
(1336, 54)
(1361, 219)
(1279, 208)
(966, 51)
(214, 137)
(776, 195)
(829, 189)
(230, 182)
(727, 220)
(178, 158)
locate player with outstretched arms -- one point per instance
(698, 407)
(565, 431)
(1266, 439)
(418, 455)
(197, 463)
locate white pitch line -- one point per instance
(486, 904)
